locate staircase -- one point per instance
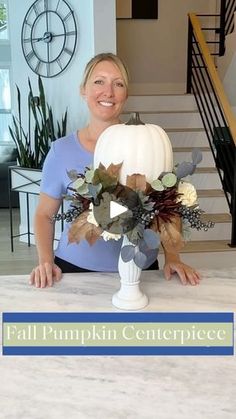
(179, 116)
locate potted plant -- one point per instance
(32, 146)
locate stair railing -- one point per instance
(216, 113)
(227, 9)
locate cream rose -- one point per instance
(110, 236)
(189, 194)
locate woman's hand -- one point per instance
(186, 273)
(45, 274)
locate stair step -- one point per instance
(185, 154)
(217, 218)
(206, 170)
(208, 246)
(205, 178)
(169, 119)
(212, 201)
(210, 193)
(190, 149)
(163, 101)
(187, 137)
(185, 129)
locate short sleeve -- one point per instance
(52, 177)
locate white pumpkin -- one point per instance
(143, 149)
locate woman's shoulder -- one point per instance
(64, 142)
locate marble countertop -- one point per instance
(122, 387)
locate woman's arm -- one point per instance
(46, 271)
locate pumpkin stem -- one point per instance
(134, 119)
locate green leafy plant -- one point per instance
(32, 146)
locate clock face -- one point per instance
(49, 36)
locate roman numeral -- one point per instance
(29, 24)
(57, 5)
(68, 51)
(27, 40)
(37, 66)
(59, 63)
(68, 15)
(30, 55)
(35, 10)
(48, 69)
(70, 33)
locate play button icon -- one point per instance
(116, 209)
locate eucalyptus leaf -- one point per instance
(184, 169)
(151, 238)
(83, 190)
(72, 174)
(169, 180)
(196, 156)
(78, 183)
(140, 259)
(94, 190)
(136, 234)
(127, 253)
(89, 175)
(157, 185)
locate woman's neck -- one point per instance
(89, 135)
(94, 129)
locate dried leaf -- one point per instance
(136, 182)
(104, 176)
(81, 229)
(114, 170)
(170, 237)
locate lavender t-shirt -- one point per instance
(66, 154)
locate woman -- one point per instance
(105, 89)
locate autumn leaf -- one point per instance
(114, 170)
(82, 229)
(107, 177)
(170, 237)
(136, 182)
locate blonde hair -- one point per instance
(105, 56)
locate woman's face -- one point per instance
(105, 92)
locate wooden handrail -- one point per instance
(219, 89)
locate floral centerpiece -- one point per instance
(152, 208)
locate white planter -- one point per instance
(129, 297)
(27, 182)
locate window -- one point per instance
(3, 20)
(5, 97)
(5, 105)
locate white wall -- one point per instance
(227, 67)
(156, 50)
(94, 35)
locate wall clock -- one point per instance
(49, 37)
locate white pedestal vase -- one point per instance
(129, 297)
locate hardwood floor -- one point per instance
(24, 258)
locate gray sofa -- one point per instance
(7, 158)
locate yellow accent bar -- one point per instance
(229, 115)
